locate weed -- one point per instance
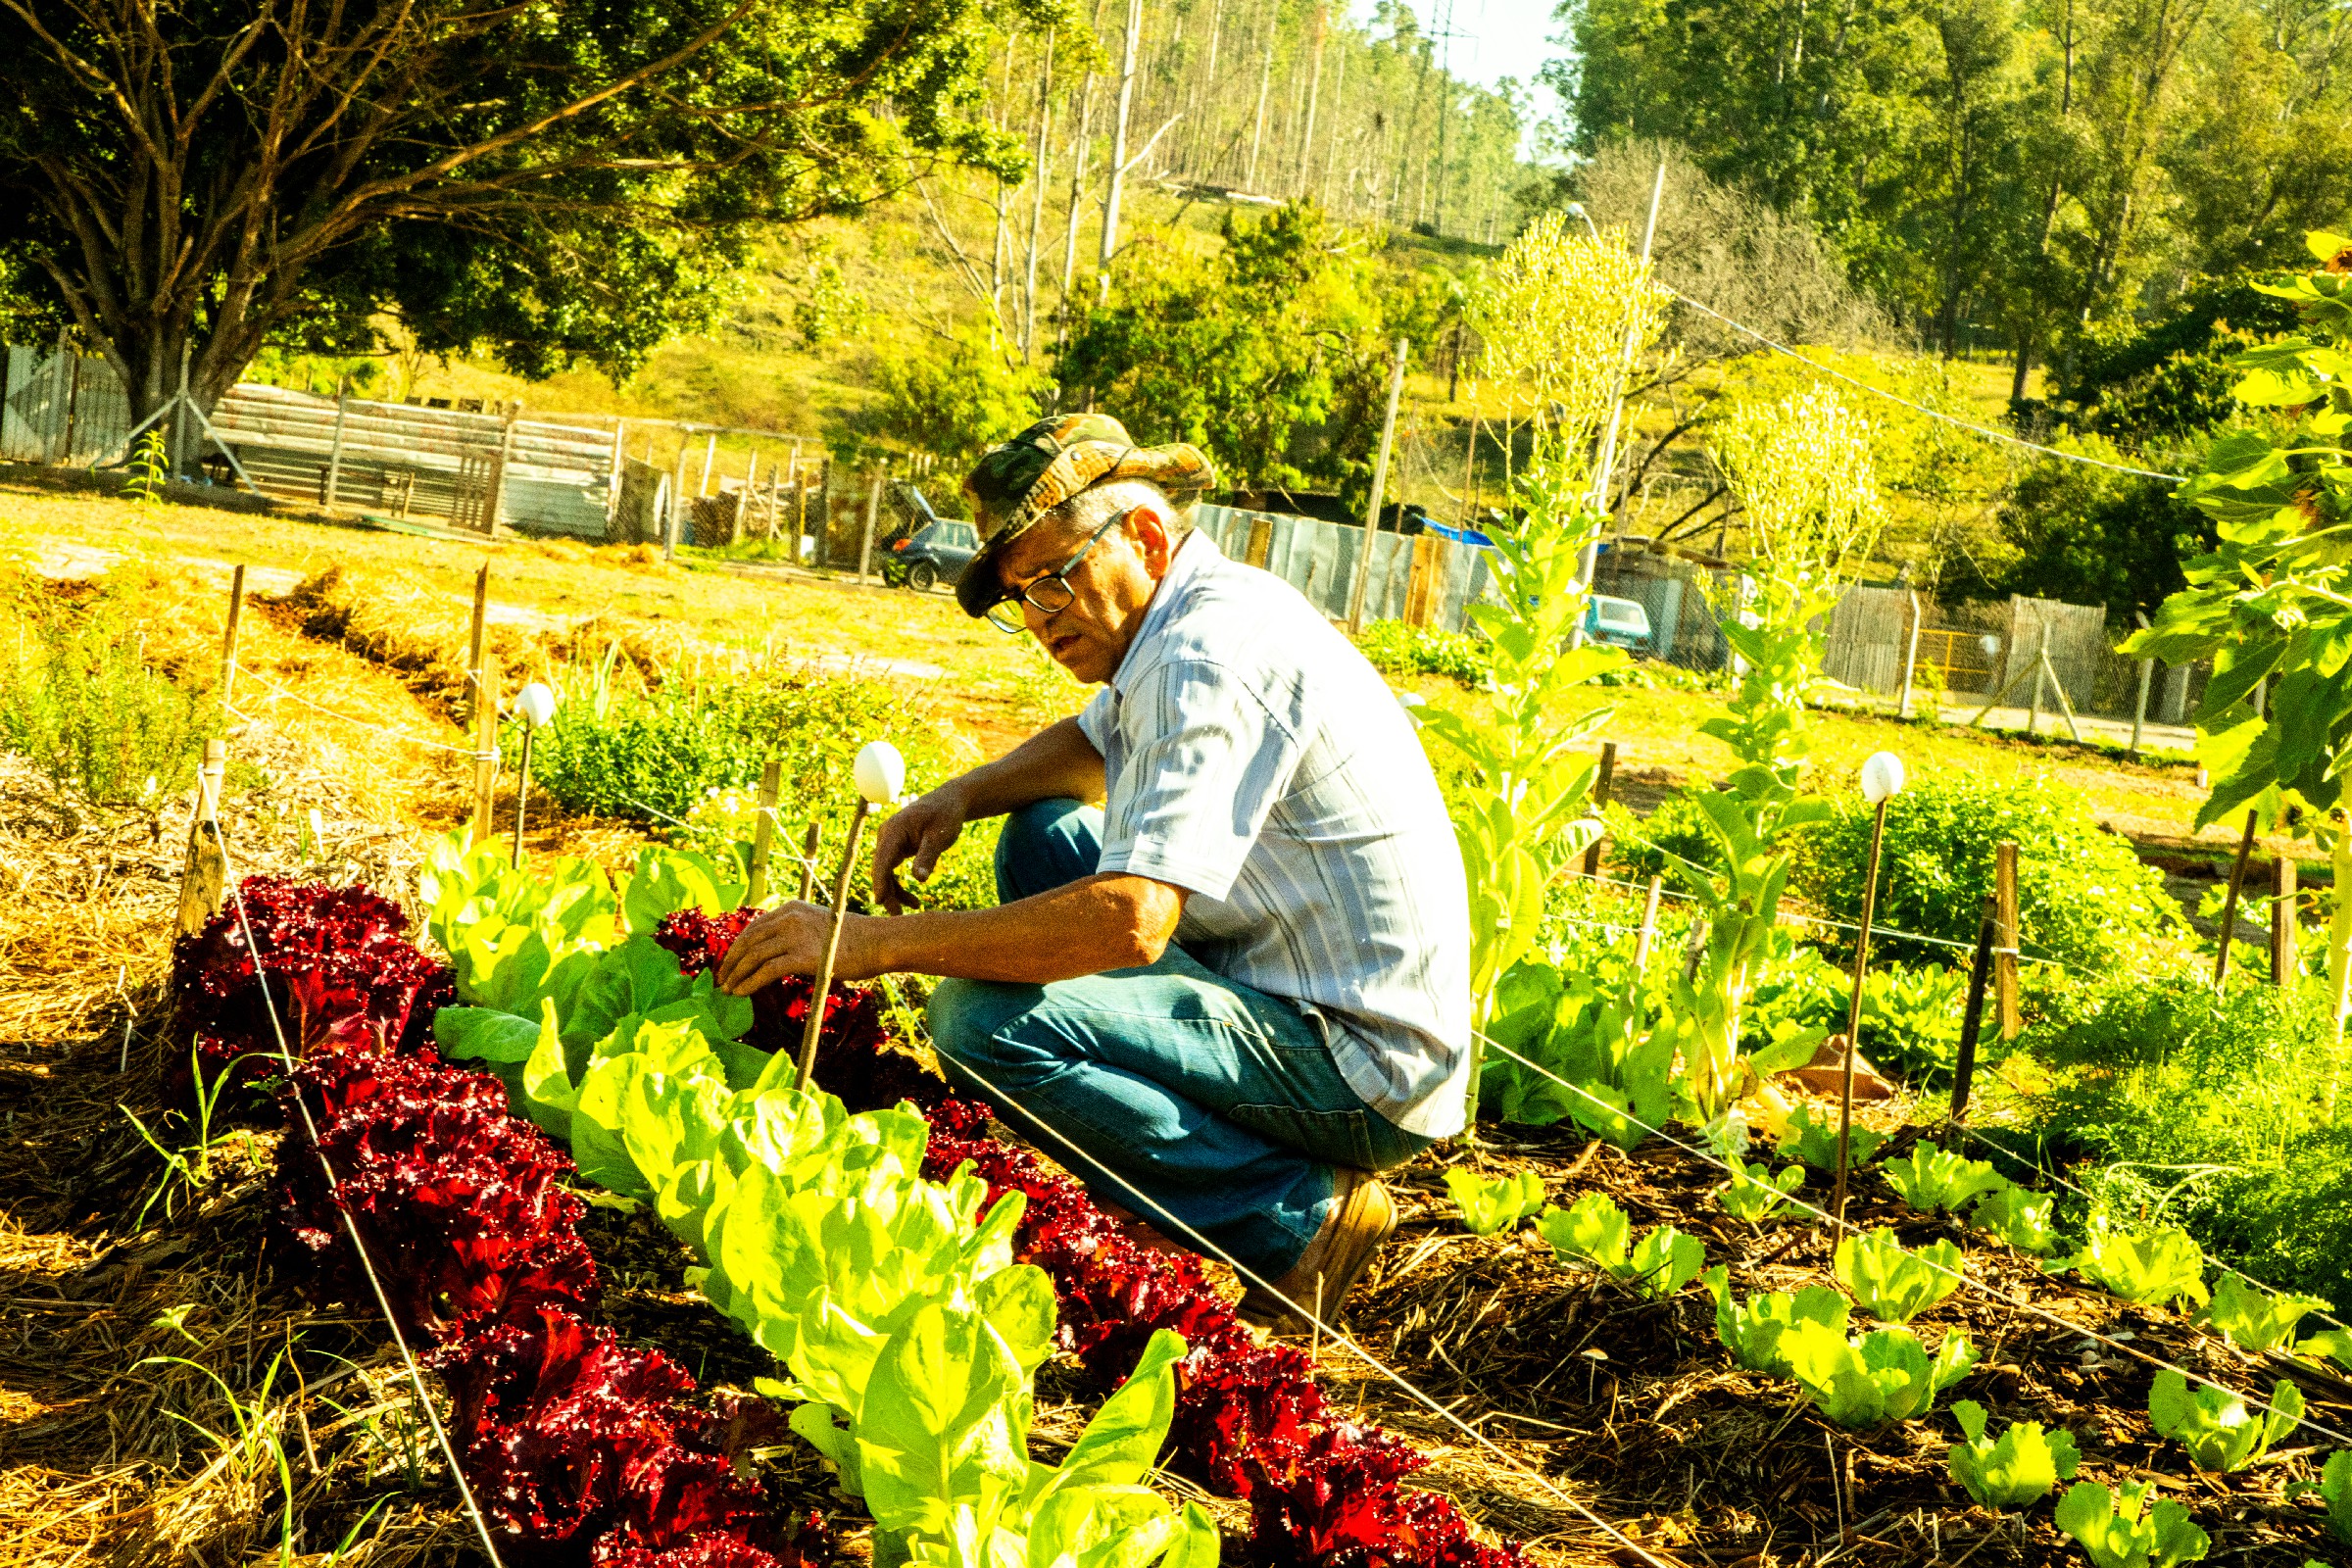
(150, 469)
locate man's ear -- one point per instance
(1150, 526)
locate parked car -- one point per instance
(935, 553)
(1619, 622)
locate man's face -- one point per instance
(1110, 588)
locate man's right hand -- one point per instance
(916, 836)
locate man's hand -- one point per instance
(916, 836)
(789, 939)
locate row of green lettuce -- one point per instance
(910, 1336)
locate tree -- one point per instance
(2269, 603)
(1261, 354)
(557, 184)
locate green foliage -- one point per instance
(2090, 536)
(1932, 1179)
(1893, 1284)
(1595, 1229)
(1520, 814)
(2214, 1426)
(1880, 1377)
(1399, 648)
(1753, 1333)
(1492, 1204)
(150, 469)
(2020, 1217)
(654, 756)
(81, 699)
(2150, 1268)
(2119, 1529)
(2084, 897)
(1754, 1193)
(1584, 1022)
(1816, 1142)
(2254, 1318)
(1286, 326)
(2016, 1472)
(2209, 1112)
(2330, 1343)
(952, 403)
(2335, 1489)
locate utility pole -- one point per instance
(1118, 151)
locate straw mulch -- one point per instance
(1634, 1407)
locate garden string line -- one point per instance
(1337, 1336)
(2047, 1174)
(260, 978)
(2016, 1302)
(1985, 430)
(1842, 925)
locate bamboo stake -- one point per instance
(764, 832)
(2004, 953)
(1853, 1017)
(807, 864)
(2238, 882)
(1972, 1021)
(484, 708)
(2282, 921)
(817, 995)
(229, 637)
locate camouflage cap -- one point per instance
(1014, 484)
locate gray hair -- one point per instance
(1090, 509)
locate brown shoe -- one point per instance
(1361, 1217)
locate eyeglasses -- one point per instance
(1051, 593)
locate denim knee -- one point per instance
(964, 1016)
(1044, 845)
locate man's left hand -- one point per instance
(789, 939)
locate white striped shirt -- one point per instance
(1255, 759)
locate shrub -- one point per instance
(656, 756)
(2209, 1112)
(79, 697)
(1396, 648)
(2084, 897)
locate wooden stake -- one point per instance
(202, 883)
(1649, 930)
(228, 636)
(1380, 483)
(1972, 1021)
(2237, 883)
(481, 706)
(764, 832)
(1853, 1017)
(2282, 921)
(1600, 797)
(818, 996)
(2004, 951)
(809, 845)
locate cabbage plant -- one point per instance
(1932, 1179)
(2214, 1426)
(1753, 1332)
(2254, 1318)
(2015, 1472)
(1754, 1193)
(2152, 1268)
(1880, 1377)
(2122, 1530)
(1494, 1204)
(1892, 1284)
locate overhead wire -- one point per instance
(383, 1301)
(1988, 431)
(2017, 1303)
(1146, 1203)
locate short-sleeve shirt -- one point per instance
(1253, 757)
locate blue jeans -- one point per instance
(1213, 1105)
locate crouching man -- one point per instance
(1239, 987)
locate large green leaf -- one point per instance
(945, 1421)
